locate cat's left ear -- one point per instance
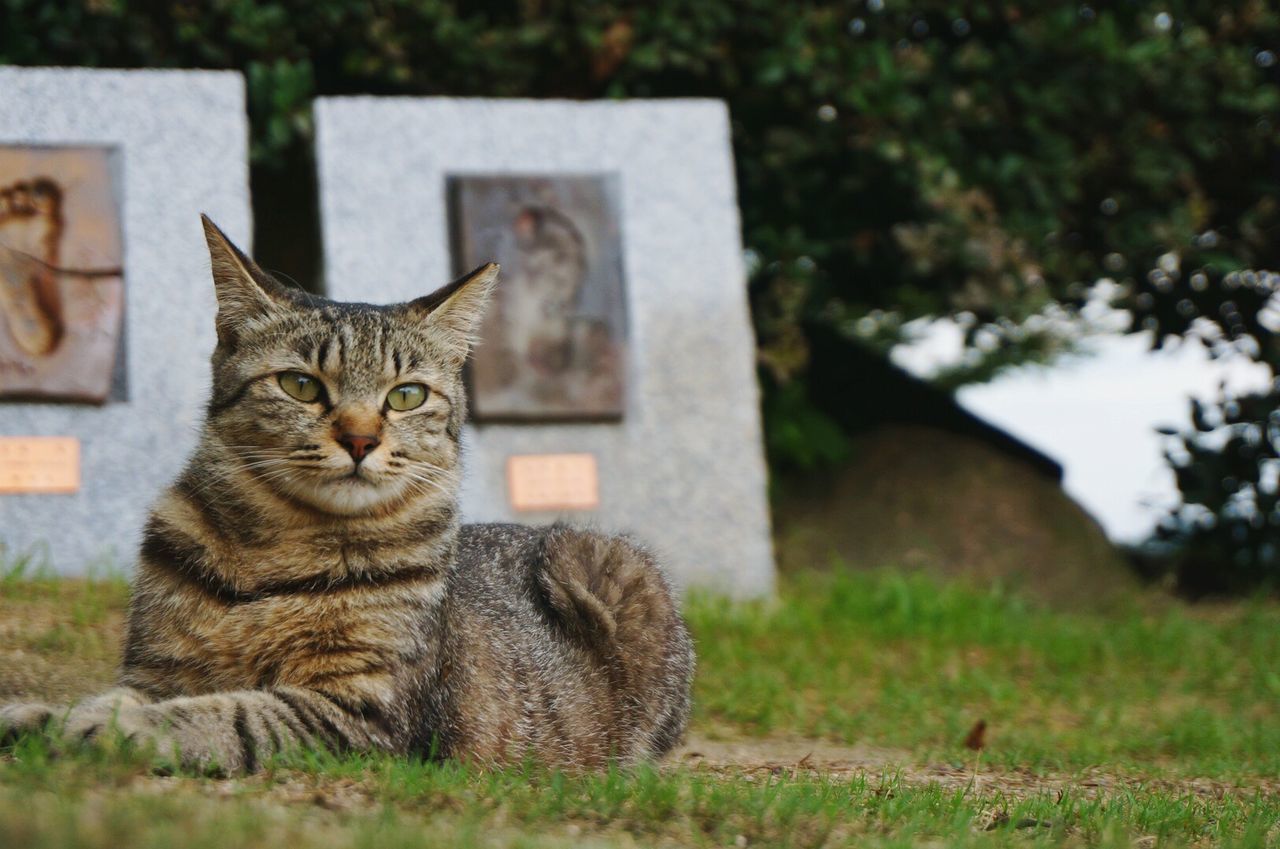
(456, 310)
(245, 292)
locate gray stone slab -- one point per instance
(180, 141)
(684, 470)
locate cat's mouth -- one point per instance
(351, 493)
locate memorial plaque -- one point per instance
(553, 340)
(682, 468)
(39, 464)
(61, 283)
(553, 482)
(103, 176)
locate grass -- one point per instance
(843, 704)
(907, 662)
(386, 802)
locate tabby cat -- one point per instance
(306, 581)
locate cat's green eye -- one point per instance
(304, 387)
(407, 396)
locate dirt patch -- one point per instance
(803, 758)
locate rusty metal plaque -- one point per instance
(553, 482)
(39, 464)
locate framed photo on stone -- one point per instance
(61, 275)
(553, 343)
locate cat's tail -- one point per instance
(611, 594)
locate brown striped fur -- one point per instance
(288, 596)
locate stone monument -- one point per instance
(616, 385)
(106, 305)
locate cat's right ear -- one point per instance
(246, 294)
(454, 312)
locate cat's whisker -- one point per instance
(216, 476)
(269, 462)
(237, 447)
(421, 483)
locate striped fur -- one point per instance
(289, 596)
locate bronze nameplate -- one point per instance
(553, 482)
(39, 464)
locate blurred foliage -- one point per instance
(932, 157)
(1225, 535)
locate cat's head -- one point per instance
(349, 409)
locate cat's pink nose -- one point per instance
(358, 446)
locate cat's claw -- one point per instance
(145, 729)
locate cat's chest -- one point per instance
(303, 637)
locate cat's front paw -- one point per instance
(24, 718)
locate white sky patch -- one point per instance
(935, 344)
(1096, 412)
